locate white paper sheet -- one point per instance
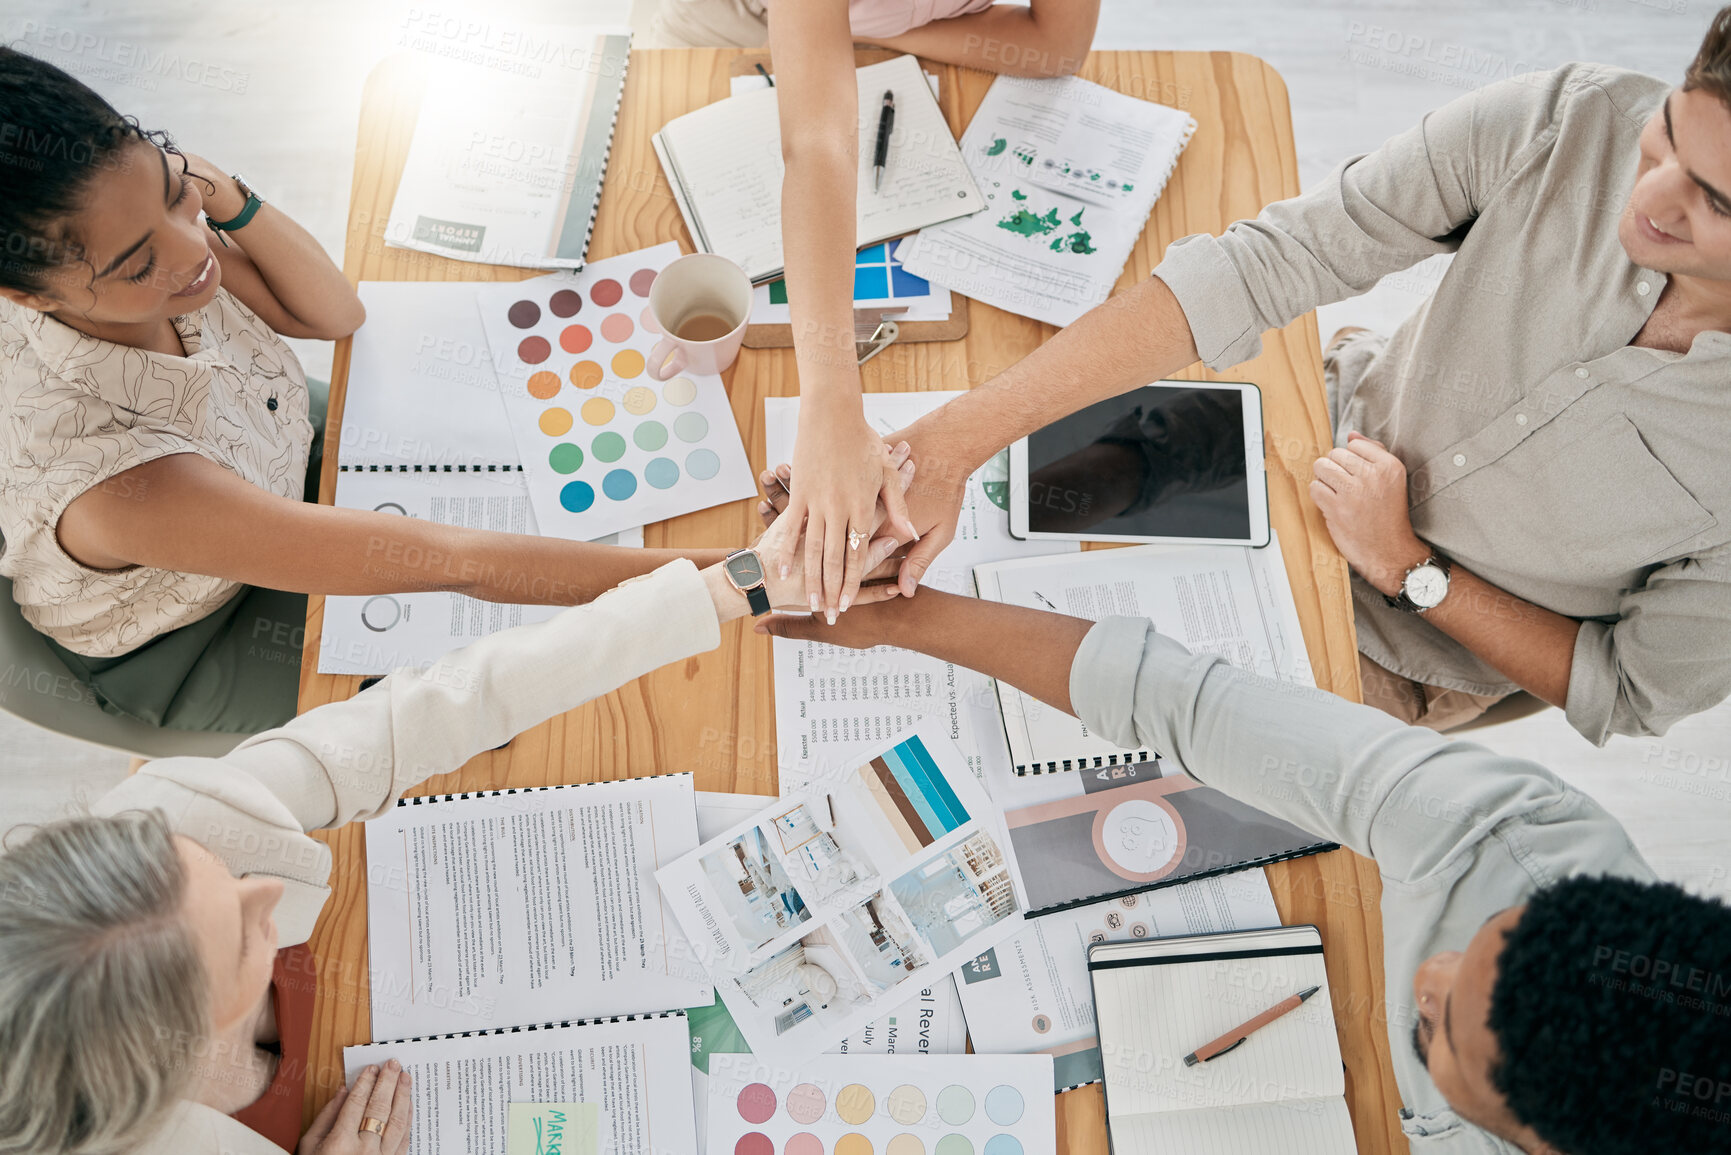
(831, 907)
(830, 702)
(504, 909)
(463, 1086)
(1032, 994)
(605, 446)
(1070, 171)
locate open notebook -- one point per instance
(724, 163)
(1157, 1000)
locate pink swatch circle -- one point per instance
(533, 350)
(606, 293)
(805, 1103)
(616, 327)
(754, 1143)
(648, 321)
(756, 1103)
(641, 281)
(804, 1143)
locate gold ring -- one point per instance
(376, 1126)
(855, 538)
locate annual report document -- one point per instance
(528, 906)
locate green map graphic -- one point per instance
(1026, 223)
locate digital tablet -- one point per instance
(1175, 461)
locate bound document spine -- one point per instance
(1094, 762)
(423, 799)
(526, 1027)
(391, 467)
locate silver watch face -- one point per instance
(1426, 586)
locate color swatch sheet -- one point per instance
(1031, 994)
(605, 446)
(1070, 171)
(831, 702)
(883, 1105)
(513, 907)
(834, 906)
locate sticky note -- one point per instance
(553, 1129)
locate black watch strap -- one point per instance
(1404, 603)
(758, 599)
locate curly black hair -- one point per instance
(56, 134)
(1612, 1011)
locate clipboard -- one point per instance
(912, 332)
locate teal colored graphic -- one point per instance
(998, 145)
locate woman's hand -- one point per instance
(223, 200)
(781, 538)
(934, 503)
(381, 1093)
(842, 469)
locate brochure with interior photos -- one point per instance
(832, 906)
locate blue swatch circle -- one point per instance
(1003, 1105)
(702, 464)
(577, 496)
(620, 484)
(661, 473)
(691, 427)
(1003, 1145)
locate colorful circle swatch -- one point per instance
(577, 338)
(754, 1143)
(565, 458)
(610, 447)
(565, 303)
(805, 1103)
(1003, 1105)
(648, 321)
(756, 1102)
(639, 400)
(556, 422)
(627, 363)
(804, 1143)
(620, 485)
(955, 1104)
(702, 464)
(679, 391)
(853, 1143)
(523, 314)
(691, 427)
(905, 1144)
(907, 1103)
(533, 350)
(597, 411)
(661, 473)
(616, 327)
(606, 293)
(954, 1145)
(1003, 1145)
(577, 497)
(642, 281)
(544, 386)
(586, 374)
(856, 1102)
(650, 436)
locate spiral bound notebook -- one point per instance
(1227, 600)
(614, 1085)
(506, 906)
(1282, 1089)
(511, 143)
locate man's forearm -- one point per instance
(1136, 337)
(1528, 644)
(1032, 650)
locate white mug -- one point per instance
(708, 297)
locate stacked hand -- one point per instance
(370, 1116)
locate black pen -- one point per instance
(886, 122)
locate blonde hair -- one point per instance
(102, 992)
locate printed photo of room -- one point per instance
(957, 893)
(760, 900)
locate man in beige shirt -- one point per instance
(1548, 431)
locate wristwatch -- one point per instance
(241, 219)
(744, 569)
(1424, 586)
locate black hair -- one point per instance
(56, 134)
(1612, 1012)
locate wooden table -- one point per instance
(715, 713)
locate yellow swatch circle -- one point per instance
(906, 1104)
(544, 386)
(906, 1145)
(853, 1144)
(639, 400)
(586, 374)
(855, 1105)
(627, 363)
(597, 411)
(680, 391)
(556, 422)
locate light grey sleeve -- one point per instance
(1376, 214)
(1410, 798)
(1666, 656)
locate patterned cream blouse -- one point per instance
(75, 411)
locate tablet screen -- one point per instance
(1159, 461)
